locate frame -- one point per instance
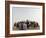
(7, 17)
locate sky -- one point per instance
(24, 13)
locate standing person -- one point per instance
(27, 22)
(24, 26)
(19, 26)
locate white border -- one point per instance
(26, 31)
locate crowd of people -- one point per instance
(24, 25)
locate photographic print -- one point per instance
(25, 19)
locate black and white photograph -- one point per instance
(25, 18)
